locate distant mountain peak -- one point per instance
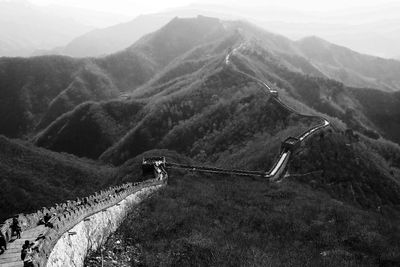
(314, 40)
(204, 21)
(179, 36)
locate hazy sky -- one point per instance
(134, 7)
(368, 26)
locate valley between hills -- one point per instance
(71, 127)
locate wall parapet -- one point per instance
(68, 214)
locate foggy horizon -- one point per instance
(134, 7)
(368, 27)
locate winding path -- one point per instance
(68, 215)
(278, 168)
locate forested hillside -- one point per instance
(196, 101)
(36, 91)
(177, 93)
(32, 178)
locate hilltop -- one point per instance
(36, 91)
(183, 97)
(193, 85)
(101, 42)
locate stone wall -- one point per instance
(89, 234)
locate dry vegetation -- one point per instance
(228, 221)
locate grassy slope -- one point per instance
(354, 171)
(344, 213)
(225, 221)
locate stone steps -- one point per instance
(12, 256)
(13, 264)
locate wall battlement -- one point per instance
(115, 202)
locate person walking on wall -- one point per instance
(46, 221)
(26, 254)
(16, 228)
(3, 243)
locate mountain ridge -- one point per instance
(198, 93)
(336, 62)
(176, 58)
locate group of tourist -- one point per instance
(15, 231)
(28, 247)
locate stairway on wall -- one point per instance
(12, 256)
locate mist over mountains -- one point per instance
(36, 91)
(27, 29)
(181, 97)
(167, 87)
(364, 29)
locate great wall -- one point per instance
(84, 225)
(78, 226)
(287, 146)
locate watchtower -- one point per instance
(149, 164)
(274, 93)
(291, 143)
